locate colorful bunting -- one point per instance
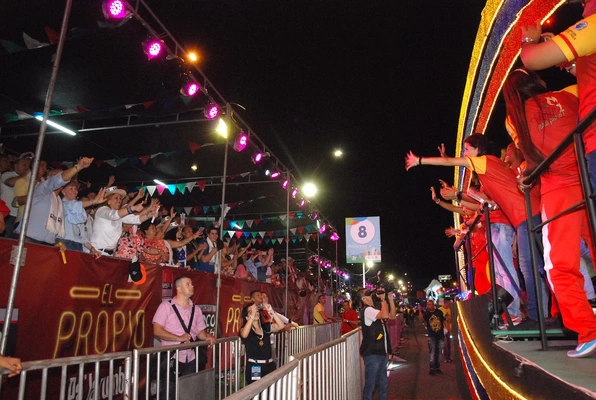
(201, 184)
(193, 146)
(151, 190)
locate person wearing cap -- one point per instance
(375, 341)
(75, 217)
(7, 182)
(46, 220)
(107, 226)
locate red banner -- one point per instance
(88, 306)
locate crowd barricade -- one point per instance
(105, 376)
(215, 372)
(147, 373)
(318, 373)
(297, 340)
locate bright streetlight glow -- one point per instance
(400, 282)
(309, 190)
(222, 128)
(338, 153)
(192, 56)
(391, 277)
(369, 264)
(194, 167)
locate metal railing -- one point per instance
(160, 378)
(147, 373)
(303, 338)
(84, 381)
(318, 373)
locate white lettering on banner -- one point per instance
(119, 382)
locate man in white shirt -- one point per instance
(107, 226)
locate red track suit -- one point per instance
(551, 116)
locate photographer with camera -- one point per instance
(211, 259)
(256, 336)
(375, 309)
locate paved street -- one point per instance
(410, 380)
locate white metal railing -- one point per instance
(161, 379)
(83, 382)
(318, 373)
(146, 373)
(297, 340)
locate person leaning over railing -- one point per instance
(256, 337)
(375, 340)
(577, 43)
(490, 171)
(500, 184)
(542, 119)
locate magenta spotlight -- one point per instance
(334, 236)
(115, 9)
(153, 48)
(257, 157)
(241, 142)
(275, 174)
(211, 111)
(323, 228)
(315, 216)
(191, 88)
(294, 193)
(285, 184)
(302, 203)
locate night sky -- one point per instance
(375, 78)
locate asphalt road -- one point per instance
(411, 380)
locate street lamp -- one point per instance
(338, 153)
(309, 190)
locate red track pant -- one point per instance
(561, 240)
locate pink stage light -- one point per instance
(211, 111)
(285, 184)
(302, 203)
(241, 142)
(323, 228)
(115, 9)
(294, 193)
(334, 236)
(275, 175)
(257, 158)
(191, 88)
(153, 48)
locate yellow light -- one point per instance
(192, 56)
(369, 264)
(391, 277)
(222, 128)
(194, 167)
(400, 282)
(338, 153)
(309, 190)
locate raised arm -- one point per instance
(412, 160)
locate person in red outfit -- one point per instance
(349, 318)
(542, 120)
